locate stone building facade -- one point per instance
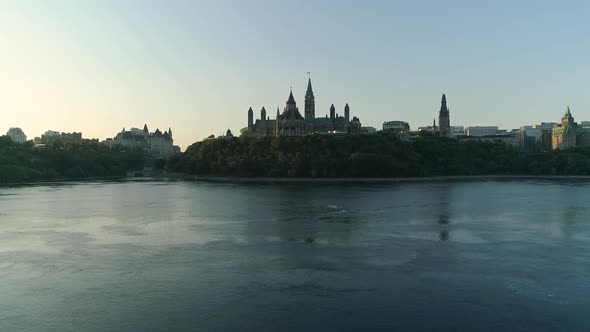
(156, 144)
(291, 122)
(569, 134)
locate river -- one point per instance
(195, 256)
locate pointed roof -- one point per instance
(145, 128)
(443, 105)
(291, 99)
(568, 119)
(250, 110)
(332, 108)
(309, 92)
(346, 107)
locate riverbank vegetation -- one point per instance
(26, 163)
(378, 155)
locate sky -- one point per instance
(197, 66)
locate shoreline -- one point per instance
(65, 181)
(175, 177)
(457, 178)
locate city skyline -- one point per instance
(97, 66)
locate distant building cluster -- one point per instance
(546, 135)
(155, 144)
(290, 122)
(50, 137)
(539, 136)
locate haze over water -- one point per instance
(190, 256)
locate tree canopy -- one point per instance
(25, 163)
(376, 155)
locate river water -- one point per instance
(195, 256)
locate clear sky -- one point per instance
(197, 66)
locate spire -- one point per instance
(309, 102)
(309, 92)
(443, 104)
(145, 128)
(568, 119)
(291, 100)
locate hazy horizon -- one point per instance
(196, 66)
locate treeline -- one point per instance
(25, 163)
(378, 155)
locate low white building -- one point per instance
(481, 130)
(16, 135)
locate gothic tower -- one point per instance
(309, 102)
(444, 121)
(332, 112)
(250, 118)
(263, 114)
(277, 121)
(347, 113)
(568, 119)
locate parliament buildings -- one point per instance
(291, 122)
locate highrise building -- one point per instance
(16, 135)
